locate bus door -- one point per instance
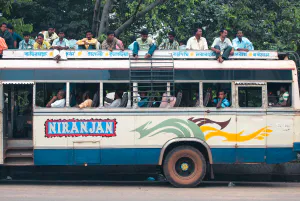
(251, 120)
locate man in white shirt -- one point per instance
(197, 42)
(117, 101)
(222, 46)
(58, 101)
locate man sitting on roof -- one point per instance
(60, 45)
(27, 43)
(144, 43)
(41, 44)
(222, 46)
(111, 42)
(170, 43)
(58, 101)
(4, 33)
(16, 37)
(241, 43)
(50, 35)
(3, 46)
(197, 42)
(87, 43)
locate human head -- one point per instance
(182, 42)
(40, 38)
(61, 94)
(223, 33)
(3, 27)
(110, 35)
(26, 35)
(198, 32)
(221, 94)
(61, 34)
(239, 34)
(118, 94)
(143, 94)
(144, 34)
(51, 30)
(282, 89)
(89, 35)
(86, 95)
(10, 27)
(171, 36)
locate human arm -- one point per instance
(188, 45)
(51, 101)
(162, 45)
(80, 42)
(120, 45)
(213, 47)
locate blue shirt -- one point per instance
(63, 43)
(26, 46)
(225, 102)
(244, 44)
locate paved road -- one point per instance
(146, 192)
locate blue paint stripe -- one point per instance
(297, 146)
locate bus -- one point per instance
(168, 112)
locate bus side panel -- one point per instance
(1, 139)
(297, 133)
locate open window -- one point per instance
(116, 95)
(52, 95)
(187, 94)
(217, 95)
(279, 94)
(84, 95)
(250, 96)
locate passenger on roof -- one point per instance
(241, 43)
(222, 46)
(221, 101)
(197, 42)
(182, 45)
(3, 46)
(283, 97)
(117, 47)
(87, 101)
(87, 43)
(117, 101)
(133, 39)
(111, 42)
(58, 101)
(60, 45)
(41, 44)
(4, 33)
(50, 35)
(72, 41)
(144, 43)
(16, 37)
(27, 43)
(170, 43)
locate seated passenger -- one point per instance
(167, 100)
(222, 46)
(117, 101)
(182, 45)
(50, 35)
(197, 42)
(40, 44)
(87, 43)
(144, 43)
(170, 43)
(283, 97)
(221, 101)
(122, 45)
(143, 100)
(87, 101)
(27, 43)
(3, 46)
(241, 43)
(60, 45)
(111, 42)
(16, 37)
(58, 101)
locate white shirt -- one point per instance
(116, 103)
(59, 103)
(193, 44)
(223, 45)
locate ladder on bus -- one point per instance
(153, 77)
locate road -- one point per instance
(133, 191)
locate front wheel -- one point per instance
(184, 166)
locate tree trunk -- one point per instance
(96, 15)
(105, 17)
(131, 20)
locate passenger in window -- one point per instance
(241, 43)
(87, 43)
(111, 42)
(197, 42)
(60, 45)
(40, 44)
(222, 46)
(170, 43)
(144, 43)
(117, 101)
(87, 101)
(221, 101)
(143, 100)
(283, 97)
(58, 101)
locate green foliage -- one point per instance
(19, 25)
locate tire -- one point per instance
(184, 167)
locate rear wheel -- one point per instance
(184, 166)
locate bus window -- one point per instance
(82, 95)
(250, 96)
(279, 94)
(52, 95)
(217, 95)
(187, 94)
(115, 95)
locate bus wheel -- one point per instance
(184, 167)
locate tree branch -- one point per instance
(105, 16)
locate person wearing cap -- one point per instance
(170, 43)
(197, 42)
(50, 35)
(60, 45)
(16, 37)
(6, 35)
(144, 43)
(111, 42)
(222, 46)
(3, 46)
(27, 43)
